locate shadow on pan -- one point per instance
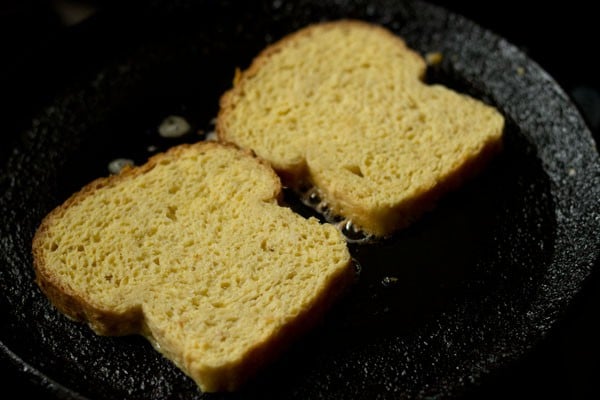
(469, 288)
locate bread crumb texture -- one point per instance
(193, 251)
(343, 106)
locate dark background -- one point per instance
(42, 47)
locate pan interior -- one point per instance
(436, 305)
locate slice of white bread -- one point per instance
(342, 106)
(193, 251)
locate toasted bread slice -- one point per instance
(342, 106)
(193, 251)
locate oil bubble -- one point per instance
(389, 281)
(118, 164)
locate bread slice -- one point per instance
(342, 106)
(193, 251)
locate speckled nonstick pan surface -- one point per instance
(480, 280)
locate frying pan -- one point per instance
(479, 281)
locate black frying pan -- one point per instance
(480, 280)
